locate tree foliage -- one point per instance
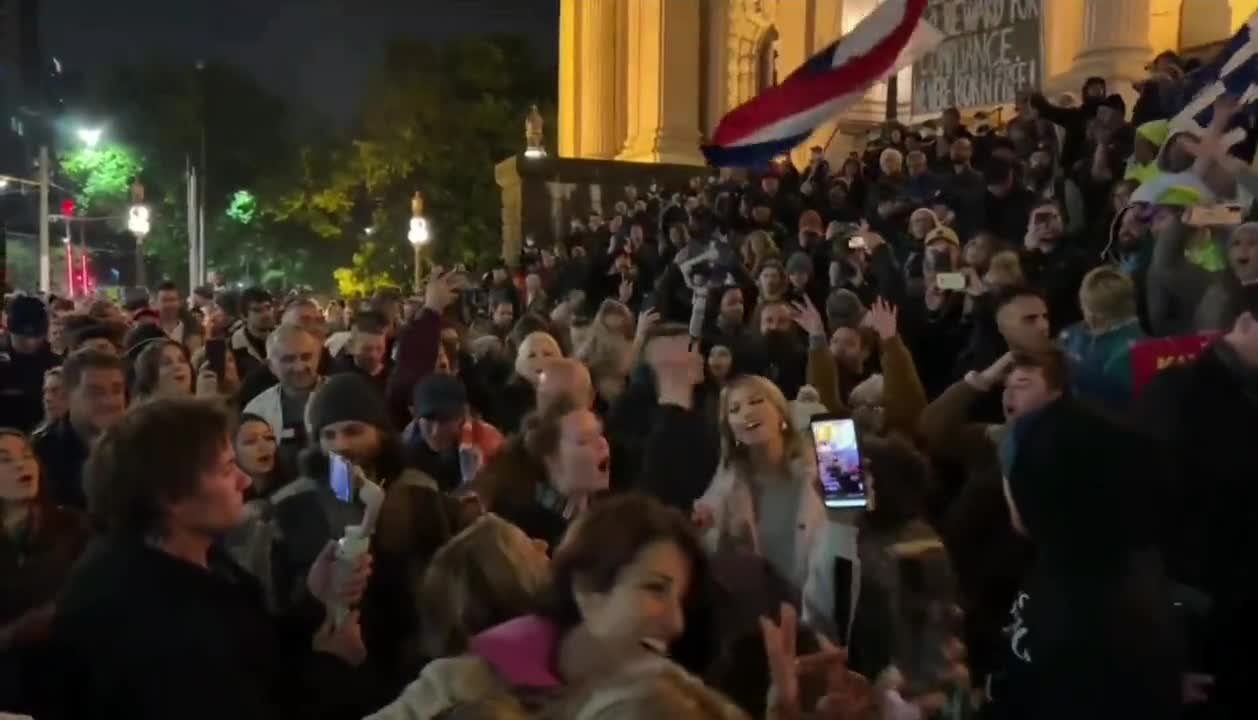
(293, 208)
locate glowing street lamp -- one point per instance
(138, 224)
(418, 234)
(90, 136)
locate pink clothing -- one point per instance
(522, 651)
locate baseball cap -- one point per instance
(440, 397)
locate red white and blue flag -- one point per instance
(781, 117)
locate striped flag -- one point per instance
(781, 117)
(1234, 71)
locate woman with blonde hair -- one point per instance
(766, 482)
(518, 397)
(1099, 347)
(757, 248)
(488, 574)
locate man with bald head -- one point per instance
(565, 378)
(292, 353)
(303, 313)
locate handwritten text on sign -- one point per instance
(991, 51)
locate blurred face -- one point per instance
(753, 419)
(295, 362)
(720, 362)
(978, 251)
(357, 441)
(1131, 231)
(1242, 255)
(847, 349)
(499, 275)
(368, 351)
(919, 224)
(618, 324)
(732, 307)
(54, 397)
(961, 151)
(99, 400)
(798, 280)
(19, 472)
(1094, 91)
(775, 318)
(761, 214)
(307, 317)
(503, 316)
(533, 282)
(769, 184)
(1144, 151)
(193, 342)
(442, 433)
(255, 448)
(218, 503)
(534, 352)
(917, 164)
(565, 379)
(1165, 217)
(1024, 323)
(174, 374)
(100, 345)
(646, 606)
(771, 281)
(260, 317)
(581, 464)
(1026, 391)
(169, 304)
(1047, 220)
(56, 333)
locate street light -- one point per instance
(418, 234)
(138, 224)
(90, 136)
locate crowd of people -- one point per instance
(601, 498)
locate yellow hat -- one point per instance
(1155, 131)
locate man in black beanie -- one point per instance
(24, 358)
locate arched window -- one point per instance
(767, 60)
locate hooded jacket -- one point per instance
(1091, 632)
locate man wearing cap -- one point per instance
(1159, 92)
(24, 358)
(432, 441)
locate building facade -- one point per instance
(648, 80)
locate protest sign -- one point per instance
(992, 50)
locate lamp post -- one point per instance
(138, 224)
(90, 136)
(418, 235)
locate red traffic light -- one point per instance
(67, 207)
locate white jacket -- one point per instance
(818, 538)
(270, 407)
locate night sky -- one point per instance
(313, 52)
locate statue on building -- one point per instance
(534, 133)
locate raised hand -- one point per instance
(807, 317)
(442, 290)
(882, 317)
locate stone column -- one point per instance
(567, 140)
(597, 99)
(664, 87)
(1115, 42)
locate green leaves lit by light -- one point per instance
(243, 207)
(103, 175)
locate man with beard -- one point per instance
(1131, 249)
(1045, 183)
(293, 356)
(248, 343)
(783, 357)
(1053, 263)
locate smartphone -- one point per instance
(950, 281)
(216, 355)
(839, 462)
(1209, 215)
(341, 477)
(940, 261)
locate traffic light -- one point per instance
(67, 207)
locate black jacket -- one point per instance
(22, 385)
(62, 453)
(1202, 416)
(1092, 634)
(141, 634)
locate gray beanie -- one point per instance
(347, 396)
(844, 309)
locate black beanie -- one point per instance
(347, 396)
